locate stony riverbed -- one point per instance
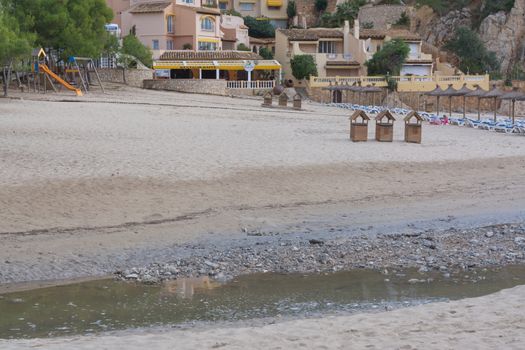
(445, 251)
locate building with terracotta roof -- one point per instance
(264, 10)
(235, 32)
(417, 63)
(336, 51)
(228, 65)
(174, 24)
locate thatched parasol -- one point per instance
(373, 90)
(513, 96)
(450, 92)
(479, 93)
(437, 92)
(494, 93)
(464, 91)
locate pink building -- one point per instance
(174, 24)
(235, 32)
(118, 6)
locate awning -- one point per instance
(208, 40)
(212, 65)
(274, 3)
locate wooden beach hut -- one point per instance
(413, 127)
(359, 126)
(385, 126)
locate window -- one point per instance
(187, 1)
(155, 45)
(223, 5)
(207, 24)
(169, 45)
(246, 6)
(326, 46)
(206, 46)
(169, 24)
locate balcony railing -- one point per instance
(408, 82)
(256, 84)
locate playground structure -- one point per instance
(48, 71)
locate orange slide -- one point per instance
(61, 81)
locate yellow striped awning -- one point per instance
(275, 3)
(212, 65)
(209, 40)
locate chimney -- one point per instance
(346, 39)
(356, 29)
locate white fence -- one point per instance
(256, 84)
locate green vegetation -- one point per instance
(133, 47)
(232, 12)
(266, 53)
(13, 43)
(291, 9)
(321, 5)
(187, 46)
(346, 11)
(242, 47)
(472, 54)
(259, 28)
(76, 27)
(403, 20)
(303, 66)
(389, 59)
(367, 25)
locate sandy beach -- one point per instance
(88, 180)
(94, 185)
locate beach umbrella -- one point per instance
(494, 93)
(464, 91)
(373, 90)
(513, 96)
(437, 92)
(450, 92)
(479, 93)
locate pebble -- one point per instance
(382, 252)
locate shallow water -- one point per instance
(111, 305)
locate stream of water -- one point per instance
(107, 305)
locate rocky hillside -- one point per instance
(501, 31)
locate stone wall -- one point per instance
(382, 16)
(134, 77)
(204, 86)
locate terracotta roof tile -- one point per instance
(189, 55)
(150, 7)
(312, 34)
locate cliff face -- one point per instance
(504, 34)
(501, 32)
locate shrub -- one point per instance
(388, 60)
(472, 53)
(133, 47)
(258, 28)
(242, 47)
(291, 9)
(187, 46)
(303, 66)
(321, 5)
(403, 20)
(266, 53)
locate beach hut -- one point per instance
(413, 127)
(494, 93)
(437, 92)
(297, 101)
(513, 96)
(479, 93)
(283, 100)
(268, 99)
(359, 126)
(385, 126)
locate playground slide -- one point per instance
(61, 81)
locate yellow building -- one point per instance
(336, 51)
(271, 10)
